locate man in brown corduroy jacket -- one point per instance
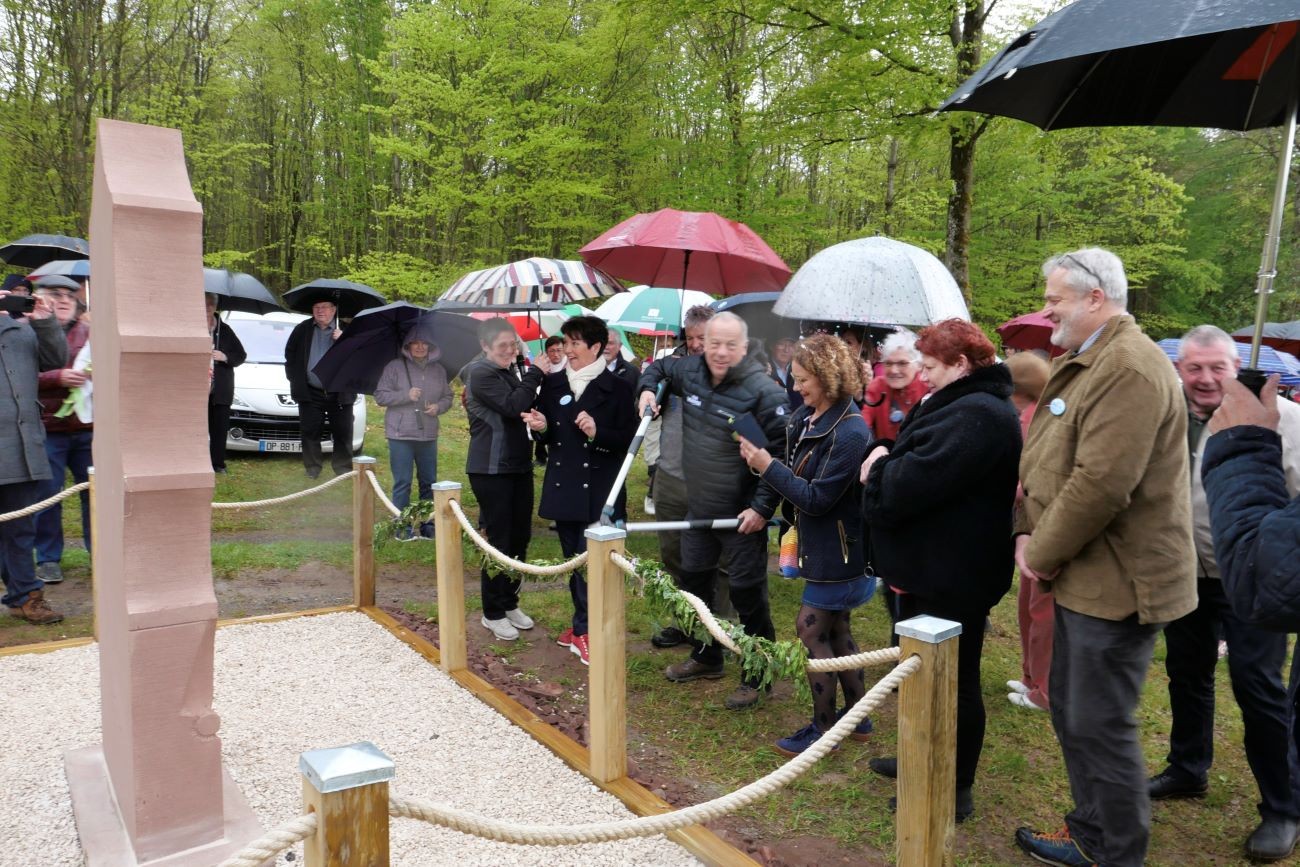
(1106, 520)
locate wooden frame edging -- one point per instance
(698, 840)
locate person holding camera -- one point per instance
(30, 342)
(413, 391)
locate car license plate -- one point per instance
(279, 446)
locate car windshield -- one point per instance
(263, 339)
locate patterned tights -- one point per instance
(827, 634)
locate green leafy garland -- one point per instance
(419, 512)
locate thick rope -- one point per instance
(273, 842)
(379, 492)
(508, 561)
(710, 623)
(45, 504)
(602, 832)
(275, 501)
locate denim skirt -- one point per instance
(839, 595)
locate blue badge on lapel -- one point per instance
(1056, 407)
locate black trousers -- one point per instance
(1255, 660)
(505, 515)
(746, 558)
(573, 541)
(1098, 667)
(970, 648)
(312, 414)
(218, 428)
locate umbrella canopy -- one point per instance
(35, 250)
(236, 290)
(76, 268)
(1229, 64)
(873, 281)
(756, 309)
(1029, 331)
(1270, 359)
(375, 337)
(351, 298)
(532, 281)
(530, 325)
(1279, 335)
(655, 310)
(689, 250)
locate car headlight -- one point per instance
(236, 402)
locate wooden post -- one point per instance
(927, 743)
(363, 534)
(607, 689)
(451, 579)
(94, 533)
(347, 789)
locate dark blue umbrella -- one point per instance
(34, 250)
(1270, 359)
(350, 298)
(375, 337)
(236, 290)
(75, 268)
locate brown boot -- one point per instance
(35, 610)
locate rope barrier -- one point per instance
(273, 842)
(45, 504)
(510, 562)
(838, 663)
(275, 501)
(379, 492)
(602, 832)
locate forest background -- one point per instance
(402, 144)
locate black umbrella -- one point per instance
(351, 298)
(756, 309)
(1230, 64)
(375, 337)
(35, 250)
(236, 290)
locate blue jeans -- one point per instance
(16, 540)
(405, 456)
(66, 451)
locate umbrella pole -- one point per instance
(1268, 262)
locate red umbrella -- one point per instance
(1030, 331)
(688, 250)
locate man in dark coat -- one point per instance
(307, 344)
(28, 345)
(227, 354)
(615, 362)
(782, 358)
(585, 415)
(720, 385)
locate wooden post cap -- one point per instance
(931, 630)
(340, 768)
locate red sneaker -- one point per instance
(581, 648)
(566, 638)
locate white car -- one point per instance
(263, 415)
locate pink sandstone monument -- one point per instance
(154, 793)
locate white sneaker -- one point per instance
(519, 619)
(502, 629)
(1019, 699)
(648, 506)
(1018, 686)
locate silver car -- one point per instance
(263, 415)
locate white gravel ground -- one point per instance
(282, 688)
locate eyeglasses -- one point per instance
(1091, 272)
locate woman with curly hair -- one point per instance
(939, 504)
(826, 440)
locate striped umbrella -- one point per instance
(532, 281)
(1271, 360)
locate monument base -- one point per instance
(104, 838)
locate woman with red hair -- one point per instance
(939, 503)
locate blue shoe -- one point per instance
(863, 729)
(799, 741)
(1057, 848)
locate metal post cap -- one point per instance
(605, 534)
(446, 486)
(362, 459)
(339, 768)
(931, 630)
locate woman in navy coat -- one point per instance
(586, 416)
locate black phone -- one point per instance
(17, 303)
(748, 427)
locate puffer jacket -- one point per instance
(405, 419)
(721, 484)
(939, 505)
(820, 487)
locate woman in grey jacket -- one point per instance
(413, 390)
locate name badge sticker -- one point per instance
(1056, 407)
(694, 400)
(566, 400)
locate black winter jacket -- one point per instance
(939, 505)
(494, 398)
(1256, 526)
(580, 472)
(297, 350)
(823, 490)
(223, 372)
(721, 485)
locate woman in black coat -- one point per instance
(227, 354)
(938, 504)
(586, 417)
(826, 440)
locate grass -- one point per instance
(1021, 780)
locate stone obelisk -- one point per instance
(154, 793)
